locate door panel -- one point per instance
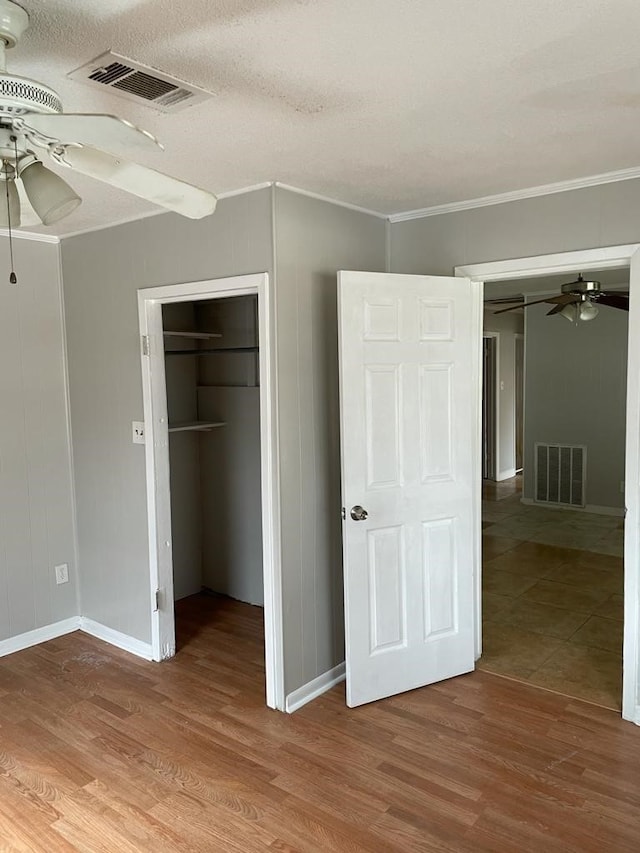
(408, 429)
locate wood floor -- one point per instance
(100, 751)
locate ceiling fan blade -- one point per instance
(614, 300)
(148, 184)
(563, 299)
(504, 300)
(97, 129)
(560, 305)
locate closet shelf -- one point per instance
(210, 350)
(203, 336)
(235, 385)
(195, 426)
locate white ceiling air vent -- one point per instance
(139, 83)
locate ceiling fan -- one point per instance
(31, 120)
(578, 300)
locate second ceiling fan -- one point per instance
(578, 300)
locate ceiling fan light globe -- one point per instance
(12, 211)
(50, 196)
(588, 311)
(570, 312)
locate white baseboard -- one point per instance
(592, 508)
(116, 638)
(39, 635)
(505, 475)
(313, 689)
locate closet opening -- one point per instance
(212, 375)
(212, 473)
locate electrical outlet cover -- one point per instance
(137, 432)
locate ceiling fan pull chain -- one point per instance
(13, 278)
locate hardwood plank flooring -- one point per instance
(100, 751)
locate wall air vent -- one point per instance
(139, 83)
(560, 473)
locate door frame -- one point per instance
(519, 336)
(150, 302)
(608, 257)
(495, 336)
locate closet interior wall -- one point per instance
(215, 470)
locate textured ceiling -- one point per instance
(389, 105)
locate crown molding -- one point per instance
(519, 195)
(148, 214)
(243, 190)
(29, 235)
(91, 228)
(329, 200)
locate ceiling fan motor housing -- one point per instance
(582, 287)
(20, 95)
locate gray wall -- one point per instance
(508, 326)
(102, 272)
(575, 392)
(313, 240)
(36, 505)
(231, 504)
(607, 215)
(230, 456)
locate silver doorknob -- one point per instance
(358, 513)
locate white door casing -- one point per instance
(408, 358)
(585, 260)
(150, 301)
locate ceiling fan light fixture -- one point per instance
(570, 312)
(50, 196)
(9, 213)
(587, 311)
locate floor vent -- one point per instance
(139, 83)
(560, 473)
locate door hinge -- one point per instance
(157, 598)
(145, 345)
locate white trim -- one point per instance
(273, 615)
(39, 635)
(608, 257)
(316, 687)
(631, 652)
(30, 235)
(116, 638)
(505, 475)
(127, 220)
(150, 301)
(149, 213)
(477, 318)
(593, 259)
(617, 511)
(519, 195)
(335, 201)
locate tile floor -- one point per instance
(552, 596)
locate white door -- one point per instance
(408, 394)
